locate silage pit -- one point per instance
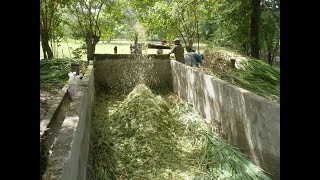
(143, 135)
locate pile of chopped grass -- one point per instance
(147, 137)
(256, 75)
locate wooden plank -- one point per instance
(157, 46)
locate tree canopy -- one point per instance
(251, 27)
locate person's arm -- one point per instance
(173, 50)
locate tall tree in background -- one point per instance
(270, 28)
(47, 13)
(170, 18)
(51, 12)
(89, 22)
(87, 14)
(252, 27)
(235, 24)
(185, 20)
(227, 23)
(254, 31)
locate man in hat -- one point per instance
(178, 51)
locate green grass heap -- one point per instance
(147, 137)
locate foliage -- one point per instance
(53, 73)
(270, 29)
(50, 24)
(170, 19)
(222, 22)
(225, 162)
(93, 20)
(78, 52)
(95, 16)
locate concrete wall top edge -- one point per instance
(225, 83)
(99, 57)
(55, 104)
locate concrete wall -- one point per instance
(251, 122)
(51, 125)
(69, 157)
(119, 71)
(58, 102)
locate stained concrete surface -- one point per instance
(251, 122)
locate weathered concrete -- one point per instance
(99, 57)
(70, 153)
(119, 71)
(56, 104)
(251, 122)
(51, 125)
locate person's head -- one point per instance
(176, 41)
(163, 41)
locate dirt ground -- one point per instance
(45, 99)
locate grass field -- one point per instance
(65, 49)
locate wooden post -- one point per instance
(233, 63)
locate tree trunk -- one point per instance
(190, 43)
(47, 52)
(44, 53)
(269, 47)
(270, 59)
(275, 50)
(96, 39)
(91, 41)
(89, 47)
(255, 19)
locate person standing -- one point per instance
(196, 59)
(115, 49)
(163, 42)
(178, 51)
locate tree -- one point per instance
(88, 15)
(270, 28)
(51, 13)
(231, 23)
(47, 13)
(170, 18)
(253, 27)
(254, 31)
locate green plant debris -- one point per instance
(54, 73)
(256, 75)
(144, 136)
